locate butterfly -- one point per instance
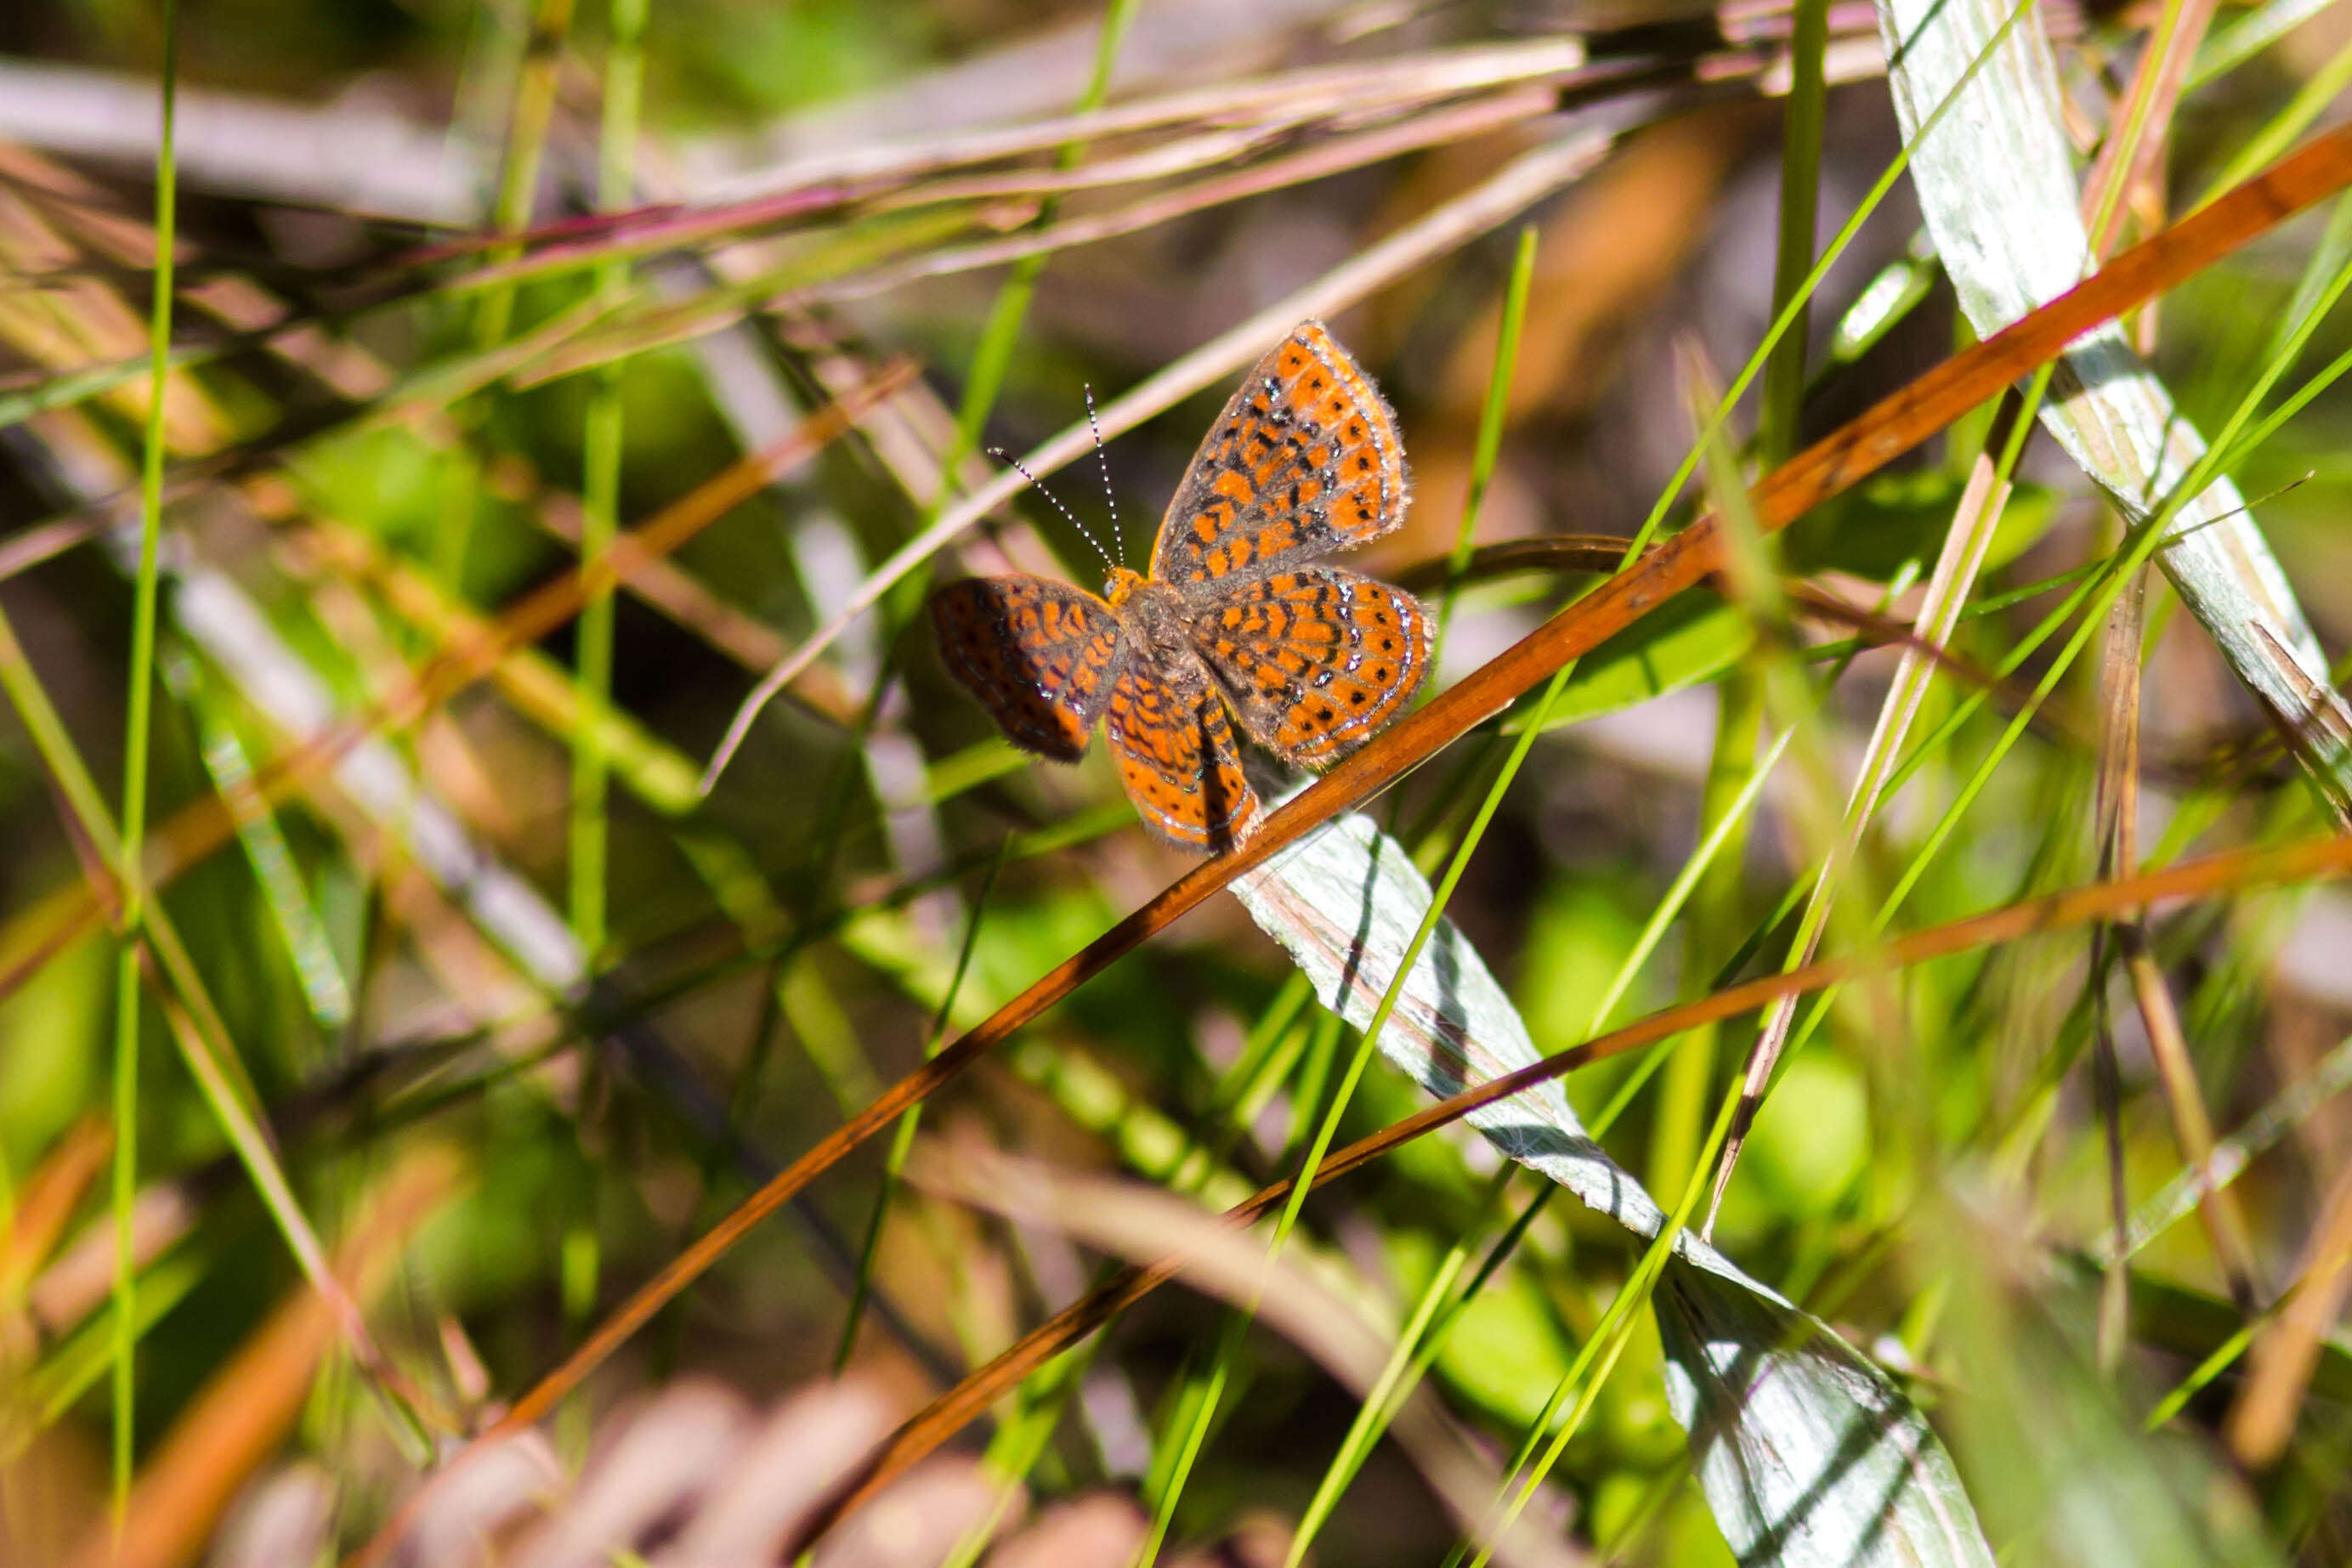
(1237, 622)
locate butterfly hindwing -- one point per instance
(1305, 459)
(1314, 660)
(1040, 655)
(1174, 746)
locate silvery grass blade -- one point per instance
(1996, 184)
(1806, 1450)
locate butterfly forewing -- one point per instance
(1176, 757)
(1305, 459)
(1040, 655)
(1314, 660)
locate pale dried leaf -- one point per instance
(1807, 1452)
(1996, 184)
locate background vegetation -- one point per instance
(328, 1136)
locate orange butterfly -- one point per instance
(1312, 659)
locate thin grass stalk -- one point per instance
(903, 1138)
(603, 443)
(2321, 88)
(83, 1360)
(1725, 820)
(2128, 159)
(1997, 481)
(310, 949)
(1734, 779)
(2285, 1340)
(1957, 564)
(1787, 702)
(1021, 1444)
(130, 871)
(1425, 1354)
(1417, 1344)
(531, 110)
(1604, 1345)
(1800, 182)
(2225, 1225)
(2278, 1116)
(2118, 846)
(600, 491)
(2257, 30)
(1198, 1401)
(2115, 810)
(2223, 1356)
(1488, 447)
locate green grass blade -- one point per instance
(600, 497)
(129, 867)
(903, 1138)
(1417, 1344)
(1801, 182)
(1489, 444)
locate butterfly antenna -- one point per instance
(1102, 461)
(1019, 467)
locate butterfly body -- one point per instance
(1237, 619)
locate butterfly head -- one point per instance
(1121, 586)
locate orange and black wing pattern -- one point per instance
(1305, 460)
(1041, 656)
(1314, 660)
(1175, 746)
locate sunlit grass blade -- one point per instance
(902, 1138)
(129, 867)
(1488, 446)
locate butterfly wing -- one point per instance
(1305, 460)
(1175, 746)
(1314, 660)
(1041, 656)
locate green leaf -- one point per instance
(1873, 530)
(1692, 640)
